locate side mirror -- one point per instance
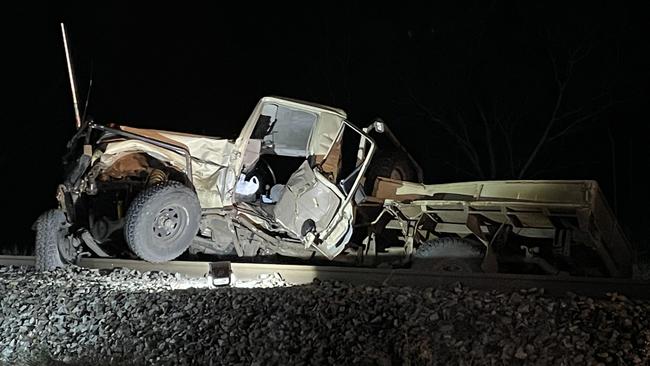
(379, 126)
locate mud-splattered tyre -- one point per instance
(51, 241)
(162, 221)
(448, 255)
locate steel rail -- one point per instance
(305, 274)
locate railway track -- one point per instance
(305, 274)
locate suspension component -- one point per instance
(156, 176)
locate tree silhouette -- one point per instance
(503, 129)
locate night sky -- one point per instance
(469, 88)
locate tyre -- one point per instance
(162, 221)
(392, 163)
(449, 255)
(53, 248)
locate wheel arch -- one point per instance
(134, 163)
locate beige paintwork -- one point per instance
(217, 162)
(528, 206)
(328, 124)
(460, 208)
(309, 195)
(531, 190)
(210, 159)
(530, 201)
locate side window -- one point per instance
(284, 131)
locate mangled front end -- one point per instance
(119, 163)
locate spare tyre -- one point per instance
(449, 255)
(162, 221)
(390, 163)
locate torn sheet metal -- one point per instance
(305, 198)
(210, 159)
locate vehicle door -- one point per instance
(316, 203)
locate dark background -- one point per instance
(475, 90)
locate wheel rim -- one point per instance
(67, 250)
(169, 223)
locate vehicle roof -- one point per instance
(310, 105)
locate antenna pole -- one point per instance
(73, 82)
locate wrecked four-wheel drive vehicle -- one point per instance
(287, 185)
(302, 181)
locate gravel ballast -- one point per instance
(82, 316)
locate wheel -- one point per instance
(448, 255)
(391, 163)
(53, 248)
(162, 221)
